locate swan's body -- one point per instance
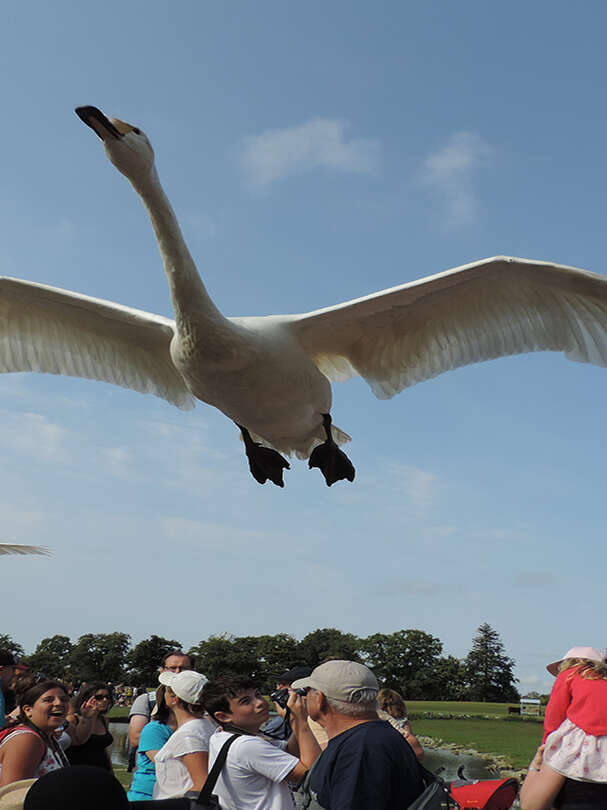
(272, 375)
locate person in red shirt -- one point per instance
(569, 769)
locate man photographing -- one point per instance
(367, 763)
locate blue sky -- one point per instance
(313, 153)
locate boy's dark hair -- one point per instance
(216, 694)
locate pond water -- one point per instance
(474, 767)
(120, 746)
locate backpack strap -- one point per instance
(207, 789)
(307, 800)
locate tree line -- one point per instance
(410, 661)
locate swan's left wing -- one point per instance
(56, 331)
(491, 308)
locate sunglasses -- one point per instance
(101, 697)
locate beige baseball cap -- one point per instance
(340, 680)
(13, 795)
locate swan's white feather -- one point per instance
(491, 308)
(18, 548)
(46, 329)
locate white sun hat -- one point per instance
(576, 652)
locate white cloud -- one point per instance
(33, 435)
(449, 172)
(205, 535)
(117, 460)
(417, 485)
(321, 142)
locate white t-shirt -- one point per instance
(253, 775)
(172, 776)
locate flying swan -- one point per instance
(271, 375)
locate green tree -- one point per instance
(406, 661)
(328, 643)
(100, 657)
(276, 654)
(145, 658)
(489, 671)
(227, 654)
(52, 656)
(7, 643)
(450, 674)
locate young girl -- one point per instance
(575, 723)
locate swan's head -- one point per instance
(126, 146)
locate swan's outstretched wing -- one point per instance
(492, 308)
(60, 332)
(18, 548)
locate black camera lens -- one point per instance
(280, 696)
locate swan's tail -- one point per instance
(304, 449)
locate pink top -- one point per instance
(581, 700)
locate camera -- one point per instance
(281, 696)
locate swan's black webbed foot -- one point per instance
(264, 462)
(333, 463)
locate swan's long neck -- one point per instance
(188, 293)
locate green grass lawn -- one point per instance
(517, 741)
(123, 777)
(458, 707)
(117, 713)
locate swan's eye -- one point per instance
(136, 131)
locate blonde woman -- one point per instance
(391, 707)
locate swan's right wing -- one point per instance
(56, 331)
(492, 308)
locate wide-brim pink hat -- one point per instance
(576, 652)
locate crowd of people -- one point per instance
(337, 742)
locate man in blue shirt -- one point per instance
(7, 673)
(367, 763)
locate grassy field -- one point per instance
(123, 777)
(458, 707)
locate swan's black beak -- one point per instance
(97, 121)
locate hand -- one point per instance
(297, 705)
(89, 709)
(282, 712)
(538, 758)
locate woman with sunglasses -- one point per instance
(30, 749)
(88, 726)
